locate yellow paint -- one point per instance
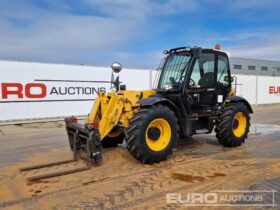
(242, 124)
(165, 135)
(95, 109)
(115, 109)
(114, 134)
(232, 92)
(226, 101)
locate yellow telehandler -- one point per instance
(193, 95)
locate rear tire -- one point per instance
(233, 125)
(152, 133)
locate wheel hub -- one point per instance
(158, 134)
(153, 133)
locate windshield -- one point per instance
(174, 71)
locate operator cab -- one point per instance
(199, 77)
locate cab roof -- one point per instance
(193, 50)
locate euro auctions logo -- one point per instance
(275, 90)
(249, 198)
(30, 90)
(49, 91)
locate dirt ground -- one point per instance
(201, 165)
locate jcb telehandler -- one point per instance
(193, 95)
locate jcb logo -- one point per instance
(30, 90)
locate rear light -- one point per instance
(92, 126)
(95, 125)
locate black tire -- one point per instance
(226, 123)
(136, 134)
(108, 142)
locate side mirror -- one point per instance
(228, 79)
(116, 67)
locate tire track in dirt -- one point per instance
(231, 182)
(24, 200)
(179, 158)
(153, 184)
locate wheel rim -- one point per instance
(158, 134)
(239, 124)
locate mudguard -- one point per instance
(153, 100)
(239, 99)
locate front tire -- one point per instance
(152, 133)
(233, 125)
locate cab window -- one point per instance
(203, 72)
(223, 79)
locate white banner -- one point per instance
(34, 90)
(37, 90)
(268, 90)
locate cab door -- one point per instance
(223, 79)
(201, 91)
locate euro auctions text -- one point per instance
(37, 90)
(261, 198)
